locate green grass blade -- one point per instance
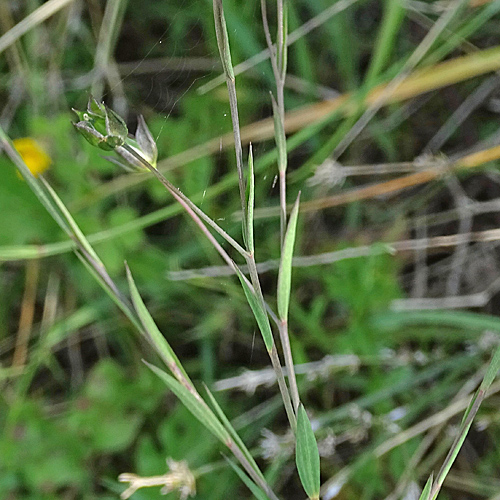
(393, 16)
(491, 372)
(467, 420)
(285, 270)
(256, 491)
(227, 424)
(38, 16)
(458, 319)
(110, 288)
(75, 230)
(457, 445)
(258, 311)
(154, 336)
(194, 404)
(458, 35)
(307, 455)
(426, 493)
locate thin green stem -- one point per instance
(283, 208)
(273, 354)
(278, 61)
(255, 285)
(287, 351)
(225, 54)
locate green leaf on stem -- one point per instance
(426, 493)
(280, 137)
(307, 455)
(492, 371)
(258, 311)
(236, 438)
(256, 491)
(466, 423)
(153, 334)
(75, 229)
(194, 404)
(285, 270)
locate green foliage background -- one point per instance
(85, 408)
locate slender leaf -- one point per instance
(155, 337)
(466, 423)
(394, 12)
(307, 455)
(492, 371)
(256, 491)
(194, 404)
(236, 438)
(285, 270)
(110, 290)
(457, 445)
(76, 231)
(459, 319)
(426, 493)
(258, 311)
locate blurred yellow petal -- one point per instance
(36, 159)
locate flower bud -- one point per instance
(146, 142)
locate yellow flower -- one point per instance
(36, 159)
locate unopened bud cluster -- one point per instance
(104, 128)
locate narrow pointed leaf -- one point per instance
(285, 270)
(256, 491)
(307, 455)
(426, 493)
(465, 426)
(258, 311)
(194, 404)
(233, 433)
(467, 420)
(122, 305)
(492, 371)
(155, 337)
(77, 233)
